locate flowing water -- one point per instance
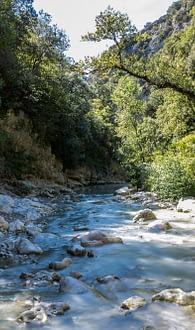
(142, 266)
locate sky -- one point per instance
(77, 17)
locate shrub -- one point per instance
(169, 178)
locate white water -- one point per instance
(145, 264)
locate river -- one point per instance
(142, 266)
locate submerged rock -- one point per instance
(77, 251)
(176, 295)
(107, 279)
(72, 285)
(144, 215)
(58, 265)
(98, 238)
(133, 303)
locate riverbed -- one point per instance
(146, 263)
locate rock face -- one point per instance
(144, 215)
(177, 296)
(133, 303)
(186, 205)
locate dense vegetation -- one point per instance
(134, 103)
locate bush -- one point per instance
(169, 178)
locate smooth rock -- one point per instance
(58, 265)
(26, 247)
(159, 225)
(186, 204)
(98, 238)
(144, 215)
(16, 226)
(176, 295)
(133, 303)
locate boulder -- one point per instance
(27, 247)
(4, 225)
(159, 225)
(144, 215)
(176, 295)
(186, 204)
(133, 303)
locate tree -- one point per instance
(129, 117)
(117, 27)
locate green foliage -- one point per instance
(112, 25)
(169, 178)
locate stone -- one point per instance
(16, 226)
(34, 314)
(98, 238)
(186, 204)
(27, 247)
(77, 251)
(159, 225)
(133, 303)
(176, 295)
(107, 279)
(4, 225)
(58, 265)
(144, 215)
(6, 203)
(124, 191)
(58, 308)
